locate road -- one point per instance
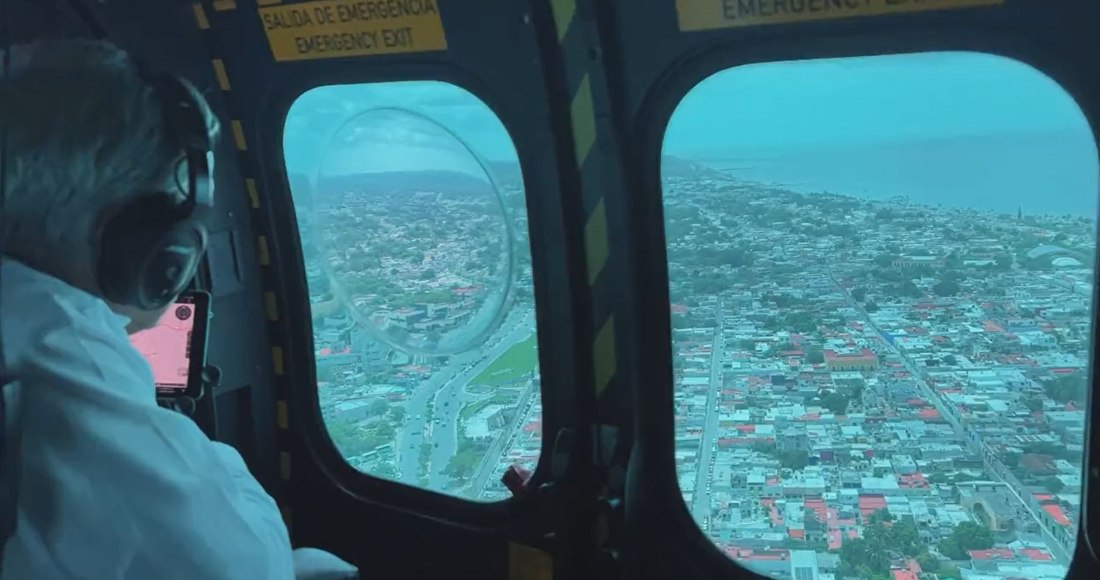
(493, 456)
(700, 501)
(453, 392)
(444, 393)
(973, 443)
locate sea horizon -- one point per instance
(1051, 174)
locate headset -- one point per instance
(150, 248)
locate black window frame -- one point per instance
(553, 343)
(720, 50)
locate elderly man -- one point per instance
(106, 169)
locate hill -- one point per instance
(672, 166)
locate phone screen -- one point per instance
(168, 346)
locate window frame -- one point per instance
(716, 51)
(553, 344)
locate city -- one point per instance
(450, 423)
(877, 389)
(871, 389)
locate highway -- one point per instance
(492, 457)
(444, 393)
(972, 443)
(700, 499)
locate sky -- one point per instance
(1020, 139)
(346, 121)
(869, 100)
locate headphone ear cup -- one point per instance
(121, 253)
(171, 264)
(145, 261)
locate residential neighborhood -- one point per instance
(863, 389)
(877, 389)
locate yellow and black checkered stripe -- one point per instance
(575, 50)
(260, 225)
(597, 161)
(575, 44)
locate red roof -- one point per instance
(1036, 554)
(992, 554)
(863, 355)
(1057, 514)
(928, 414)
(871, 503)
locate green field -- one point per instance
(516, 362)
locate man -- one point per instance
(97, 480)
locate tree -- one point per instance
(326, 374)
(871, 307)
(859, 294)
(904, 537)
(883, 537)
(946, 288)
(948, 571)
(397, 414)
(1004, 261)
(763, 447)
(385, 431)
(1067, 388)
(815, 356)
(836, 403)
(928, 563)
(384, 470)
(950, 360)
(1034, 405)
(795, 460)
(862, 558)
(1053, 484)
(885, 260)
(377, 406)
(465, 460)
(880, 516)
(908, 289)
(965, 537)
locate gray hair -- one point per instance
(84, 134)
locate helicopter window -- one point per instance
(881, 277)
(413, 221)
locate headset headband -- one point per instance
(185, 124)
(151, 247)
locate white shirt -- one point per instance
(110, 485)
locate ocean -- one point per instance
(1054, 174)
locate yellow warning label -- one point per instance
(527, 563)
(710, 14)
(339, 28)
